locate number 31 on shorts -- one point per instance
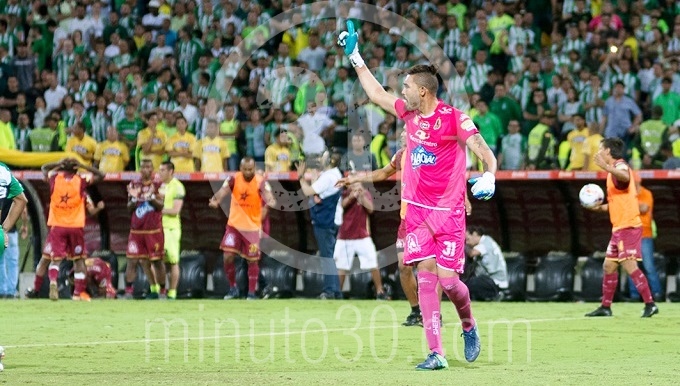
(449, 248)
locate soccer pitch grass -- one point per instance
(312, 342)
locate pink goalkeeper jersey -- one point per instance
(434, 176)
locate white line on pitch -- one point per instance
(285, 333)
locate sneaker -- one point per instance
(232, 294)
(472, 344)
(650, 309)
(251, 296)
(326, 296)
(382, 296)
(32, 294)
(152, 296)
(433, 361)
(54, 292)
(601, 311)
(413, 319)
(84, 296)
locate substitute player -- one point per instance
(434, 190)
(145, 243)
(624, 212)
(244, 227)
(66, 239)
(173, 192)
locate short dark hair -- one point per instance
(616, 147)
(169, 165)
(476, 229)
(425, 75)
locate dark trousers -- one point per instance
(325, 240)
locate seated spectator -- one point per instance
(180, 147)
(211, 154)
(81, 143)
(277, 157)
(487, 263)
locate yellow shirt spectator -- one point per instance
(210, 154)
(590, 148)
(180, 148)
(112, 156)
(577, 139)
(152, 144)
(83, 145)
(277, 158)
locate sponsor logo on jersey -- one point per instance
(445, 110)
(422, 135)
(438, 123)
(420, 157)
(424, 125)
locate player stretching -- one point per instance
(67, 224)
(146, 242)
(244, 228)
(434, 190)
(98, 280)
(625, 245)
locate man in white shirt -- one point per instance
(189, 111)
(315, 125)
(112, 50)
(161, 50)
(153, 19)
(314, 55)
(55, 94)
(81, 23)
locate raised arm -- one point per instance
(349, 40)
(52, 166)
(98, 174)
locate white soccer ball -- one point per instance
(591, 195)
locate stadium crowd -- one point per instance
(205, 83)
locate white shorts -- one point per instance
(346, 249)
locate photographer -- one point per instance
(486, 271)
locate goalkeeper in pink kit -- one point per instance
(434, 189)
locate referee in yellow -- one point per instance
(173, 192)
